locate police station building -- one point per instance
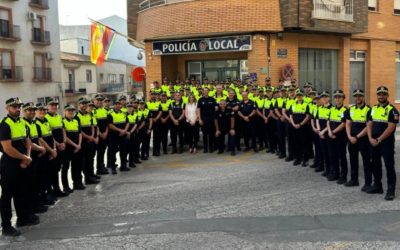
(344, 44)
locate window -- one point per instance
(373, 5)
(112, 78)
(101, 78)
(46, 99)
(396, 7)
(5, 22)
(398, 76)
(82, 50)
(88, 75)
(357, 72)
(121, 78)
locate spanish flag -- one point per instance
(101, 40)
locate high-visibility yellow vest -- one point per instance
(18, 129)
(85, 119)
(55, 121)
(358, 114)
(44, 128)
(118, 117)
(71, 125)
(381, 114)
(299, 108)
(336, 115)
(33, 132)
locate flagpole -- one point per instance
(135, 43)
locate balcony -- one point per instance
(39, 4)
(8, 33)
(73, 92)
(40, 37)
(333, 11)
(42, 74)
(112, 87)
(152, 3)
(11, 74)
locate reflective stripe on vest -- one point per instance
(359, 115)
(289, 103)
(337, 115)
(33, 132)
(299, 108)
(44, 128)
(118, 118)
(323, 113)
(260, 103)
(55, 121)
(100, 114)
(18, 129)
(153, 106)
(381, 114)
(85, 119)
(71, 126)
(280, 102)
(132, 118)
(165, 106)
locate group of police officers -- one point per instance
(297, 125)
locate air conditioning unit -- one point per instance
(32, 16)
(49, 56)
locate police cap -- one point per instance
(339, 93)
(83, 100)
(99, 97)
(28, 105)
(52, 101)
(382, 89)
(69, 107)
(324, 94)
(15, 101)
(358, 92)
(40, 106)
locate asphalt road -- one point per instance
(209, 201)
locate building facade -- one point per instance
(29, 50)
(344, 44)
(82, 78)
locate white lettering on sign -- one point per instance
(179, 47)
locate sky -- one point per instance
(74, 12)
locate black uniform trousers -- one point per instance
(318, 159)
(118, 143)
(165, 127)
(325, 155)
(281, 132)
(208, 130)
(33, 182)
(145, 139)
(337, 155)
(13, 186)
(238, 131)
(249, 133)
(75, 161)
(271, 134)
(260, 134)
(57, 163)
(177, 132)
(157, 136)
(88, 154)
(361, 146)
(132, 148)
(192, 134)
(290, 131)
(300, 136)
(384, 150)
(101, 150)
(221, 141)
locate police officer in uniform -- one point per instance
(32, 179)
(133, 122)
(177, 115)
(206, 108)
(299, 118)
(356, 128)
(225, 125)
(290, 130)
(56, 125)
(322, 128)
(118, 124)
(16, 157)
(381, 128)
(73, 152)
(101, 113)
(88, 141)
(318, 158)
(165, 121)
(232, 104)
(153, 105)
(337, 141)
(281, 123)
(246, 113)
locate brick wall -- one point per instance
(208, 17)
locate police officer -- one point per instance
(101, 113)
(356, 129)
(32, 179)
(232, 104)
(246, 113)
(88, 141)
(132, 133)
(337, 141)
(73, 151)
(299, 117)
(165, 121)
(290, 130)
(281, 123)
(322, 128)
(153, 105)
(206, 108)
(56, 125)
(258, 118)
(225, 125)
(381, 128)
(118, 124)
(318, 158)
(177, 115)
(271, 120)
(16, 157)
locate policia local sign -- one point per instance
(203, 45)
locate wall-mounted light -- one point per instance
(279, 35)
(140, 55)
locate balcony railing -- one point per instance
(112, 87)
(41, 4)
(333, 11)
(6, 33)
(40, 37)
(42, 74)
(11, 74)
(151, 3)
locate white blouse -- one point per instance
(190, 112)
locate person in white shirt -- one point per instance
(192, 125)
